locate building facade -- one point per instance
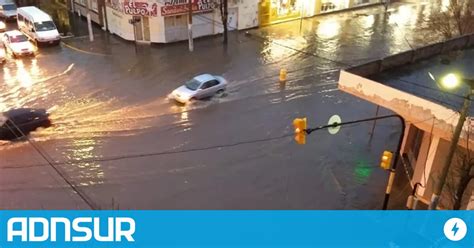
(167, 20)
(274, 11)
(96, 9)
(428, 134)
(163, 21)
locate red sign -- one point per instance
(140, 8)
(172, 8)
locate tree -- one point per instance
(459, 178)
(455, 19)
(223, 6)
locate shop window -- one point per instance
(285, 7)
(332, 5)
(176, 21)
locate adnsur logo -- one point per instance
(81, 229)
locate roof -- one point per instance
(204, 77)
(415, 79)
(14, 33)
(37, 14)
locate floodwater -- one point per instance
(125, 145)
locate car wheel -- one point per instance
(220, 91)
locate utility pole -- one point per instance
(226, 14)
(190, 25)
(438, 187)
(89, 27)
(387, 3)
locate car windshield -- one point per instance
(193, 84)
(9, 7)
(44, 26)
(18, 38)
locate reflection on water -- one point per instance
(402, 16)
(362, 171)
(368, 21)
(279, 49)
(87, 173)
(19, 87)
(328, 29)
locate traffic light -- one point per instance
(300, 130)
(386, 160)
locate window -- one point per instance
(417, 142)
(176, 21)
(94, 5)
(193, 84)
(210, 84)
(18, 38)
(9, 7)
(415, 139)
(44, 26)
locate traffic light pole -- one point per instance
(397, 154)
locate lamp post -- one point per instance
(451, 81)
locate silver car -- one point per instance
(202, 86)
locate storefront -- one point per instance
(274, 11)
(167, 20)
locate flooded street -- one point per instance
(124, 144)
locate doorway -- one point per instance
(142, 29)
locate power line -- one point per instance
(162, 153)
(153, 154)
(47, 158)
(430, 88)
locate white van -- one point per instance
(8, 9)
(37, 25)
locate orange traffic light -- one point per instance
(386, 160)
(300, 130)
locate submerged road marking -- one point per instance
(83, 51)
(68, 69)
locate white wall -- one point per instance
(248, 13)
(118, 24)
(157, 27)
(203, 24)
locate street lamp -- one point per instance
(449, 82)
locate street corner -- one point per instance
(99, 46)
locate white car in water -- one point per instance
(3, 27)
(200, 87)
(18, 44)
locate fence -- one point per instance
(413, 56)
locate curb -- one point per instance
(84, 51)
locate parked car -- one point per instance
(8, 9)
(2, 55)
(3, 27)
(37, 25)
(18, 44)
(17, 123)
(200, 87)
